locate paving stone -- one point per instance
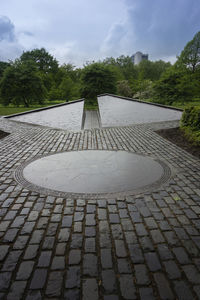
(42, 223)
(73, 277)
(153, 261)
(102, 214)
(117, 231)
(44, 259)
(27, 228)
(111, 297)
(5, 280)
(171, 238)
(16, 291)
(182, 290)
(146, 244)
(48, 243)
(172, 269)
(20, 242)
(136, 254)
(163, 286)
(25, 270)
(4, 225)
(37, 237)
(78, 227)
(90, 289)
(109, 281)
(34, 295)
(146, 293)
(157, 236)
(52, 229)
(120, 248)
(197, 290)
(140, 230)
(164, 252)
(90, 265)
(72, 294)
(106, 258)
(63, 235)
(90, 231)
(141, 274)
(77, 240)
(90, 220)
(31, 251)
(10, 235)
(58, 263)
(192, 274)
(67, 221)
(11, 261)
(54, 284)
(90, 245)
(74, 257)
(38, 280)
(124, 266)
(61, 248)
(3, 251)
(127, 287)
(181, 255)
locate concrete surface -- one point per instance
(120, 112)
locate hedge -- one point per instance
(190, 124)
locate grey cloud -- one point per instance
(163, 27)
(7, 29)
(10, 48)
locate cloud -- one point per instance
(82, 30)
(9, 45)
(162, 28)
(6, 29)
(158, 27)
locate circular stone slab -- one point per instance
(92, 172)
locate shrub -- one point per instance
(190, 124)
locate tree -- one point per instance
(3, 66)
(176, 86)
(124, 89)
(190, 56)
(43, 60)
(21, 84)
(97, 79)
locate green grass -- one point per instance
(11, 109)
(91, 106)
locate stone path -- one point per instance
(145, 246)
(91, 119)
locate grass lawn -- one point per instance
(9, 110)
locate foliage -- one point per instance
(143, 89)
(123, 88)
(190, 56)
(3, 66)
(43, 60)
(191, 118)
(190, 123)
(176, 86)
(97, 79)
(149, 70)
(22, 84)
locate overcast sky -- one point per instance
(77, 31)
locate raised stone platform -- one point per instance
(94, 173)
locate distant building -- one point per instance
(138, 57)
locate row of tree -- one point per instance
(36, 76)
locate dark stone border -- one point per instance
(140, 101)
(18, 176)
(43, 108)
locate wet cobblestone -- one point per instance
(143, 246)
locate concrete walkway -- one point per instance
(144, 246)
(91, 119)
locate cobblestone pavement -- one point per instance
(144, 246)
